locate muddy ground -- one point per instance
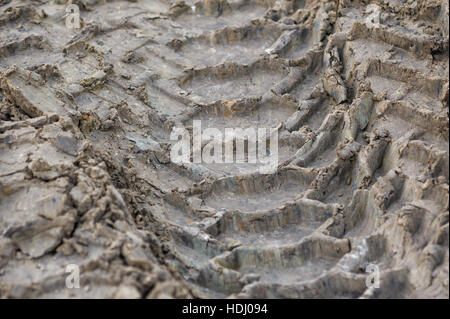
(358, 91)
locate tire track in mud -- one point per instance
(359, 94)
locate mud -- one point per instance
(357, 89)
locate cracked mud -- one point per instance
(358, 91)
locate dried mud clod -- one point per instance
(358, 91)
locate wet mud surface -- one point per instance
(358, 91)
